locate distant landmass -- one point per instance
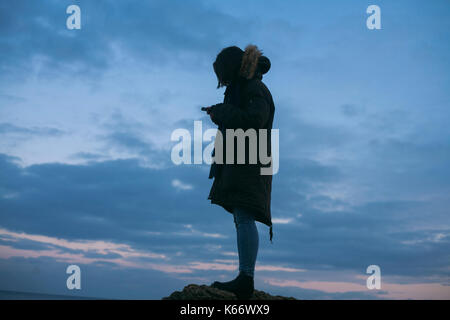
(204, 292)
(17, 295)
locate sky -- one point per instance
(86, 176)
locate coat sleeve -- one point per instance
(253, 115)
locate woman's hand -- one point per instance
(210, 111)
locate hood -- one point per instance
(254, 64)
(232, 64)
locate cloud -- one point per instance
(158, 32)
(88, 252)
(9, 128)
(177, 184)
(100, 247)
(345, 238)
(350, 110)
(420, 291)
(282, 220)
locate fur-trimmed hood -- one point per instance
(232, 63)
(253, 63)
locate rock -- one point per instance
(204, 292)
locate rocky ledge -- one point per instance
(204, 292)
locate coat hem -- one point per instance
(228, 207)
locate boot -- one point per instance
(242, 286)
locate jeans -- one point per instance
(247, 240)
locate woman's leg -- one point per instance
(247, 243)
(247, 240)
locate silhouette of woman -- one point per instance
(240, 188)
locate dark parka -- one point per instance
(247, 104)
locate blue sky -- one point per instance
(86, 176)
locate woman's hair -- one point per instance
(227, 65)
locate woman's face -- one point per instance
(221, 74)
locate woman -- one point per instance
(240, 188)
